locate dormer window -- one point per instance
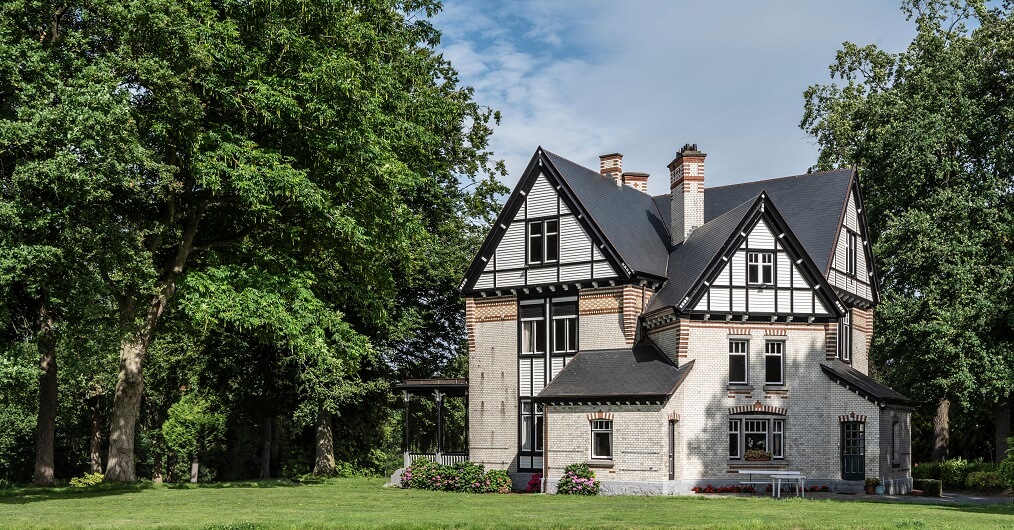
(851, 253)
(543, 241)
(760, 268)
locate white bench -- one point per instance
(776, 480)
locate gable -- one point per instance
(858, 283)
(504, 262)
(779, 286)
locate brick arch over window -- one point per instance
(600, 416)
(852, 416)
(758, 408)
(673, 416)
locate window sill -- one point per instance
(781, 387)
(600, 462)
(758, 464)
(739, 386)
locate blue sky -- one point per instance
(645, 77)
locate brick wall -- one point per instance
(491, 324)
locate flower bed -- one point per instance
(463, 477)
(750, 489)
(578, 479)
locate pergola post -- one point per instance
(408, 450)
(440, 423)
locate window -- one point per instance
(774, 362)
(763, 434)
(602, 438)
(533, 327)
(543, 241)
(760, 267)
(531, 426)
(734, 438)
(845, 337)
(738, 361)
(895, 440)
(851, 253)
(564, 327)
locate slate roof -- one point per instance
(688, 261)
(810, 204)
(629, 219)
(852, 379)
(639, 373)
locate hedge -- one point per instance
(930, 487)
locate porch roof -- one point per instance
(641, 373)
(864, 385)
(450, 387)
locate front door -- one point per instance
(853, 450)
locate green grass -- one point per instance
(357, 502)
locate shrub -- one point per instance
(926, 470)
(89, 479)
(872, 482)
(983, 480)
(535, 483)
(466, 476)
(930, 487)
(1006, 468)
(954, 472)
(578, 479)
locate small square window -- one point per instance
(760, 268)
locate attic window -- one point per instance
(851, 253)
(760, 268)
(543, 241)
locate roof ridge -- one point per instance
(815, 173)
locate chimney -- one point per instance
(611, 165)
(686, 177)
(638, 181)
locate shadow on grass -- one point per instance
(30, 494)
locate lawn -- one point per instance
(365, 503)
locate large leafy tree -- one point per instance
(281, 152)
(930, 130)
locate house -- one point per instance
(670, 341)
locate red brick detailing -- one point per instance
(673, 416)
(862, 321)
(600, 416)
(758, 407)
(470, 324)
(600, 301)
(495, 309)
(852, 416)
(739, 331)
(776, 332)
(830, 341)
(611, 165)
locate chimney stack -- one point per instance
(636, 180)
(686, 177)
(611, 165)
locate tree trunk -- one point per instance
(265, 471)
(95, 434)
(324, 461)
(156, 471)
(941, 430)
(1002, 415)
(45, 428)
(195, 467)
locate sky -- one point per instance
(643, 78)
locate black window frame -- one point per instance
(845, 343)
(745, 354)
(764, 274)
(768, 344)
(851, 253)
(737, 429)
(548, 241)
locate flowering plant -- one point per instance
(757, 454)
(578, 479)
(464, 477)
(535, 483)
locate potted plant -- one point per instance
(757, 454)
(871, 485)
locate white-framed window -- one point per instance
(774, 362)
(532, 315)
(734, 441)
(602, 439)
(738, 361)
(851, 253)
(543, 241)
(531, 430)
(763, 434)
(845, 337)
(760, 268)
(564, 326)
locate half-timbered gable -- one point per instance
(850, 270)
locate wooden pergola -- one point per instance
(439, 389)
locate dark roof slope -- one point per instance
(628, 218)
(811, 205)
(640, 373)
(853, 379)
(688, 261)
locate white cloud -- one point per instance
(643, 78)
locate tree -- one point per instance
(929, 129)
